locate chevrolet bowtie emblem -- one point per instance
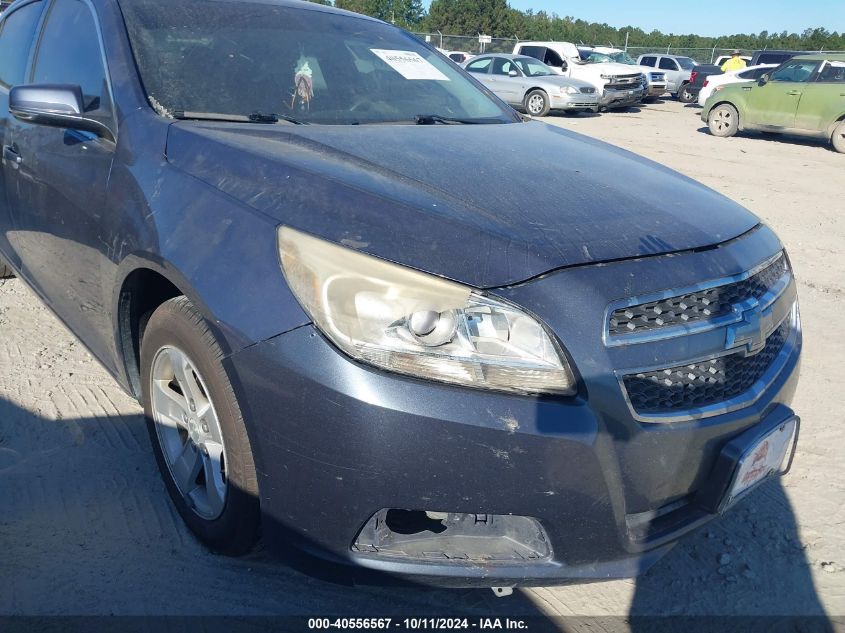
(751, 332)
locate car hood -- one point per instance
(559, 80)
(487, 205)
(610, 68)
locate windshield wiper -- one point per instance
(433, 119)
(272, 117)
(255, 117)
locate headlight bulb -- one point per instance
(433, 328)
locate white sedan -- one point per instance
(716, 82)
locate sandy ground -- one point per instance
(86, 527)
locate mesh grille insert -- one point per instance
(695, 385)
(696, 306)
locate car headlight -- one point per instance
(413, 323)
(569, 90)
(607, 76)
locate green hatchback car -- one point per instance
(803, 96)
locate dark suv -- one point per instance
(358, 315)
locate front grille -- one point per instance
(588, 91)
(624, 82)
(695, 306)
(695, 385)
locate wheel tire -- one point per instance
(723, 120)
(537, 103)
(685, 95)
(178, 325)
(5, 271)
(838, 138)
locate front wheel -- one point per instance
(197, 431)
(685, 94)
(537, 103)
(838, 138)
(723, 120)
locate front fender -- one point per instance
(220, 254)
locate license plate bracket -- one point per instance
(730, 479)
(768, 457)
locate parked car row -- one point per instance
(618, 85)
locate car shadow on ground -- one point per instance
(86, 528)
(749, 565)
(780, 139)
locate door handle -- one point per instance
(794, 93)
(12, 156)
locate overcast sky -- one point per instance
(702, 18)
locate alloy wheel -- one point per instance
(188, 432)
(535, 104)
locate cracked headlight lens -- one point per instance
(413, 323)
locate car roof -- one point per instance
(665, 55)
(506, 56)
(834, 57)
(293, 4)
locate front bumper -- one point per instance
(337, 442)
(621, 98)
(575, 102)
(656, 89)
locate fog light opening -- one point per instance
(453, 537)
(414, 521)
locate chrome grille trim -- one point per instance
(745, 399)
(701, 325)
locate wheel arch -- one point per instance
(734, 106)
(832, 127)
(146, 283)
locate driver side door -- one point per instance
(57, 198)
(775, 102)
(507, 87)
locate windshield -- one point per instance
(239, 58)
(597, 58)
(531, 67)
(623, 58)
(685, 62)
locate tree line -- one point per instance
(498, 19)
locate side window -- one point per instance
(795, 71)
(554, 60)
(667, 63)
(15, 42)
(537, 52)
(648, 61)
(832, 73)
(502, 66)
(480, 65)
(69, 53)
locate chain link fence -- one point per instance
(470, 44)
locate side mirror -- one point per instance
(54, 106)
(513, 73)
(764, 79)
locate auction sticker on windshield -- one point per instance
(409, 64)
